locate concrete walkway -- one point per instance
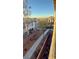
(31, 51)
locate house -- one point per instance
(29, 25)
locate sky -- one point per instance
(41, 7)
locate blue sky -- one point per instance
(41, 7)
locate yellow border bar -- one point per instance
(52, 53)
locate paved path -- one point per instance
(35, 45)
